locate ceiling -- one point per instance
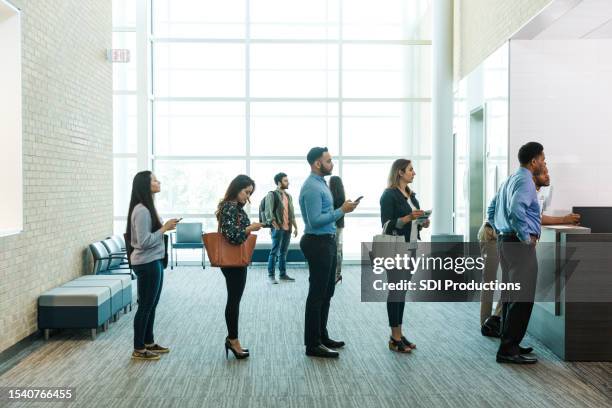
(570, 20)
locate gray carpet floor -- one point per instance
(454, 366)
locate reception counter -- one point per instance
(574, 316)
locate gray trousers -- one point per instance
(487, 239)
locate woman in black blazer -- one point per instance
(399, 209)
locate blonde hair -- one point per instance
(394, 174)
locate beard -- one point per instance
(325, 171)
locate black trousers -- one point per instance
(519, 265)
(149, 284)
(396, 299)
(235, 280)
(320, 252)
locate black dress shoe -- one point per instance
(515, 359)
(525, 350)
(491, 327)
(321, 351)
(333, 344)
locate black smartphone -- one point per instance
(179, 219)
(358, 199)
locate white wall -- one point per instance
(67, 154)
(560, 96)
(486, 86)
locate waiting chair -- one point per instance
(119, 256)
(188, 236)
(106, 263)
(119, 240)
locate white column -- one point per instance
(142, 86)
(442, 117)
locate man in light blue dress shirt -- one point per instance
(514, 213)
(319, 247)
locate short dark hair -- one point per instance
(279, 177)
(315, 154)
(529, 151)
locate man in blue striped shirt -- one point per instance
(319, 247)
(514, 213)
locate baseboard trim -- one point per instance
(10, 357)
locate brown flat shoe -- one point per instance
(144, 355)
(156, 348)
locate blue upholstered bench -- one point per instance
(126, 283)
(74, 308)
(112, 285)
(262, 252)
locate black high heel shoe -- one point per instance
(408, 343)
(338, 279)
(398, 346)
(239, 355)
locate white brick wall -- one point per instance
(67, 147)
(482, 26)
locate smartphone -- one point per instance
(425, 215)
(179, 219)
(358, 199)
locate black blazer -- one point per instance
(393, 205)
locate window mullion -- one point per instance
(247, 82)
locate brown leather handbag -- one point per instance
(224, 254)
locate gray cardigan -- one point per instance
(148, 246)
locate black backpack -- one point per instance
(262, 205)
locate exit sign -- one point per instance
(121, 55)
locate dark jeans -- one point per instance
(519, 265)
(235, 280)
(320, 252)
(150, 279)
(396, 299)
(280, 246)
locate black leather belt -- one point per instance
(508, 237)
(511, 237)
(329, 236)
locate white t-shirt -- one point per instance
(544, 198)
(414, 230)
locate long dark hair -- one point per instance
(141, 194)
(337, 188)
(394, 176)
(239, 183)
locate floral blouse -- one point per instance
(234, 221)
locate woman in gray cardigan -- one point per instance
(146, 236)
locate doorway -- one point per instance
(476, 189)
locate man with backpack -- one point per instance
(276, 210)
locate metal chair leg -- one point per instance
(46, 334)
(93, 333)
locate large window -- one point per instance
(11, 204)
(248, 86)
